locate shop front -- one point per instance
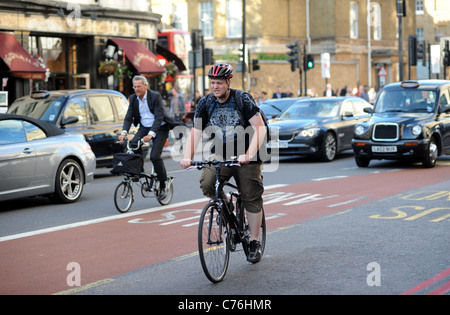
(43, 47)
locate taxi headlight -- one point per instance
(359, 130)
(416, 130)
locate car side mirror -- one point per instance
(347, 114)
(368, 110)
(69, 120)
(447, 109)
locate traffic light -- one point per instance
(420, 52)
(308, 62)
(196, 39)
(446, 54)
(255, 64)
(293, 55)
(208, 56)
(241, 53)
(425, 51)
(401, 8)
(412, 50)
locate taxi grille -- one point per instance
(385, 132)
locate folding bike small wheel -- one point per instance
(167, 197)
(123, 196)
(213, 243)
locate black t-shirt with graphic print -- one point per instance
(226, 123)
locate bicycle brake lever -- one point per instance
(199, 167)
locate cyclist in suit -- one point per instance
(146, 111)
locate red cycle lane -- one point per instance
(38, 264)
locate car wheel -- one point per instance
(429, 160)
(69, 182)
(362, 162)
(329, 147)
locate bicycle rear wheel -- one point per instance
(262, 232)
(123, 197)
(213, 243)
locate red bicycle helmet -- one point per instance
(221, 71)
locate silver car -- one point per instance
(37, 158)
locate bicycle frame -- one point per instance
(147, 182)
(235, 221)
(220, 229)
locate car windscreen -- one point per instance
(269, 110)
(280, 104)
(406, 100)
(44, 109)
(322, 109)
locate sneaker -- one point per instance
(162, 193)
(254, 252)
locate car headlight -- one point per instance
(359, 130)
(416, 130)
(309, 133)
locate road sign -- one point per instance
(435, 55)
(382, 72)
(325, 61)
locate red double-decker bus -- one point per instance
(178, 42)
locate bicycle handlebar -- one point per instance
(202, 164)
(138, 145)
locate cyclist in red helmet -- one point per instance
(222, 111)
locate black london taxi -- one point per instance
(98, 114)
(410, 121)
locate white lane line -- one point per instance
(111, 218)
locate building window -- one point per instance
(234, 18)
(419, 7)
(353, 19)
(180, 16)
(419, 33)
(206, 19)
(50, 49)
(375, 9)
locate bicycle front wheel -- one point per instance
(123, 197)
(213, 243)
(166, 197)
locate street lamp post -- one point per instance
(400, 14)
(243, 46)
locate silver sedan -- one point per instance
(39, 159)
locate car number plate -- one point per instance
(384, 149)
(276, 144)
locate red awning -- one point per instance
(19, 61)
(145, 62)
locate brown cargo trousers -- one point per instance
(248, 179)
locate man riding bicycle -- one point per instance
(146, 110)
(225, 115)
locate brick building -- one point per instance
(337, 27)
